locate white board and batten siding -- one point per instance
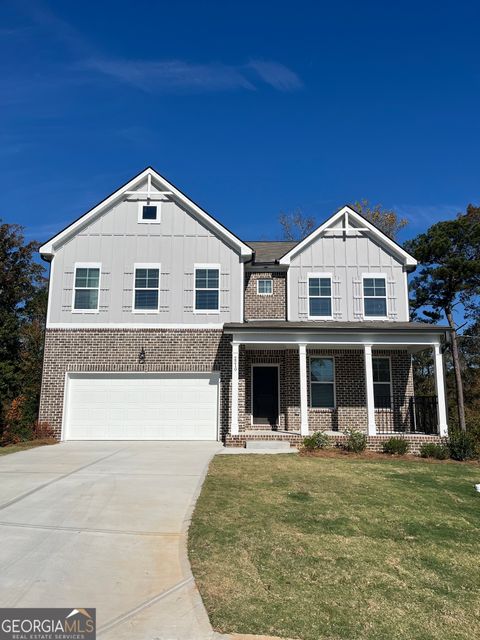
(118, 241)
(137, 406)
(348, 258)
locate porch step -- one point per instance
(277, 445)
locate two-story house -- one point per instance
(163, 325)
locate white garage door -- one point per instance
(141, 407)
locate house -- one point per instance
(162, 324)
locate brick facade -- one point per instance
(265, 307)
(350, 390)
(205, 350)
(117, 350)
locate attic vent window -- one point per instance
(148, 213)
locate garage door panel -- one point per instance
(142, 407)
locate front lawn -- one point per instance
(339, 548)
(23, 446)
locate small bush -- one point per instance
(42, 431)
(462, 445)
(433, 450)
(317, 440)
(395, 446)
(16, 427)
(356, 441)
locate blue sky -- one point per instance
(251, 108)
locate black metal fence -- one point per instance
(417, 414)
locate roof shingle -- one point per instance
(271, 250)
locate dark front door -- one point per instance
(265, 395)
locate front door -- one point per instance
(265, 395)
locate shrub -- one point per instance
(356, 441)
(16, 428)
(42, 431)
(462, 445)
(433, 450)
(317, 440)
(396, 446)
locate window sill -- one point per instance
(206, 312)
(142, 312)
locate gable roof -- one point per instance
(269, 251)
(48, 249)
(349, 214)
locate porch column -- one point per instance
(440, 388)
(372, 428)
(235, 365)
(302, 351)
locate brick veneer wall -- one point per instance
(350, 388)
(261, 307)
(374, 443)
(205, 350)
(117, 350)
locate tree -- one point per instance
(20, 280)
(449, 253)
(296, 225)
(386, 220)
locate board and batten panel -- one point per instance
(142, 407)
(118, 241)
(347, 257)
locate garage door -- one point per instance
(141, 407)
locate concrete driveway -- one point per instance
(103, 524)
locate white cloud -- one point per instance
(424, 215)
(276, 75)
(170, 75)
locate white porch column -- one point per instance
(235, 366)
(372, 428)
(440, 388)
(302, 350)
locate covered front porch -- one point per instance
(291, 379)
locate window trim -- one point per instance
(259, 293)
(390, 383)
(86, 265)
(320, 275)
(375, 275)
(146, 265)
(146, 203)
(197, 266)
(332, 358)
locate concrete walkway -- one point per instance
(103, 524)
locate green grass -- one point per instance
(339, 548)
(23, 446)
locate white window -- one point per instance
(382, 383)
(207, 288)
(149, 212)
(265, 286)
(374, 296)
(319, 295)
(322, 383)
(146, 288)
(86, 287)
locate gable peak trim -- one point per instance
(407, 259)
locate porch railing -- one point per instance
(416, 414)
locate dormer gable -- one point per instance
(349, 222)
